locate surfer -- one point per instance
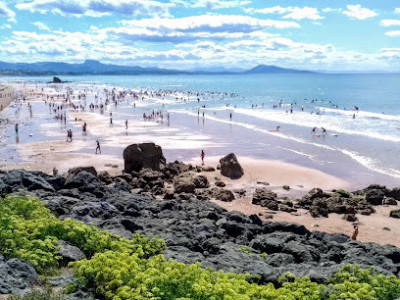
(314, 130)
(323, 130)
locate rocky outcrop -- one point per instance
(197, 230)
(140, 156)
(230, 167)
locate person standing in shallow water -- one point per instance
(98, 146)
(202, 157)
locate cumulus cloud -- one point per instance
(219, 4)
(393, 33)
(390, 22)
(295, 13)
(96, 8)
(6, 12)
(41, 26)
(359, 13)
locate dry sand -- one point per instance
(64, 155)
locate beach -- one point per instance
(41, 146)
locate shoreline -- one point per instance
(47, 148)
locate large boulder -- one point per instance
(145, 155)
(230, 167)
(189, 181)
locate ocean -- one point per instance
(360, 113)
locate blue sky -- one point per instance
(331, 35)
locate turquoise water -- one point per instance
(361, 146)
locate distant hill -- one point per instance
(88, 67)
(94, 67)
(272, 69)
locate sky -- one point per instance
(321, 35)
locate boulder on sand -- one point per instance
(145, 155)
(230, 167)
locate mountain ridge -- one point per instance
(94, 67)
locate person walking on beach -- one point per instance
(98, 146)
(16, 128)
(69, 135)
(202, 157)
(355, 233)
(126, 124)
(84, 128)
(111, 123)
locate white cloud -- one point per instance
(397, 10)
(97, 8)
(219, 4)
(41, 26)
(390, 22)
(359, 13)
(332, 10)
(213, 27)
(295, 13)
(393, 33)
(6, 12)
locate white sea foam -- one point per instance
(334, 124)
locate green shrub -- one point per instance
(29, 231)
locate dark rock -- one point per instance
(224, 195)
(145, 155)
(16, 276)
(265, 198)
(255, 219)
(130, 225)
(350, 218)
(220, 183)
(230, 167)
(72, 172)
(273, 242)
(389, 201)
(20, 179)
(188, 182)
(394, 193)
(69, 253)
(208, 169)
(374, 196)
(57, 80)
(279, 259)
(316, 193)
(83, 180)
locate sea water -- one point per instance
(360, 145)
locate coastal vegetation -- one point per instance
(118, 268)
